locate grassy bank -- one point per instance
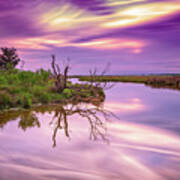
(135, 79)
(23, 89)
(171, 81)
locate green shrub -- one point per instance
(85, 93)
(3, 80)
(5, 101)
(67, 92)
(23, 88)
(44, 98)
(69, 83)
(25, 100)
(44, 74)
(60, 97)
(14, 90)
(38, 90)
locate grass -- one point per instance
(135, 79)
(171, 81)
(23, 89)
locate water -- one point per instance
(135, 135)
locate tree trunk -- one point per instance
(60, 79)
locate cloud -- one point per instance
(141, 13)
(135, 45)
(98, 7)
(137, 31)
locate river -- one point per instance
(134, 135)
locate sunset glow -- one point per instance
(133, 30)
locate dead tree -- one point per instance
(60, 78)
(95, 79)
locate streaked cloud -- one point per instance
(141, 13)
(98, 25)
(133, 45)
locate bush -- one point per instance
(23, 88)
(5, 101)
(44, 98)
(38, 90)
(14, 90)
(25, 100)
(67, 92)
(44, 74)
(3, 80)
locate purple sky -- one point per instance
(135, 36)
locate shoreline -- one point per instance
(168, 81)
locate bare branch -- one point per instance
(95, 78)
(53, 65)
(59, 78)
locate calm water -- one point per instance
(135, 135)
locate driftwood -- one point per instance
(60, 79)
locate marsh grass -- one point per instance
(135, 79)
(169, 81)
(25, 88)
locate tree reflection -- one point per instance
(95, 115)
(28, 119)
(61, 116)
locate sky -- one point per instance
(131, 36)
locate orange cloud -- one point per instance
(134, 45)
(141, 13)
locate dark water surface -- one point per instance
(135, 135)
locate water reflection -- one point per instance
(133, 105)
(95, 115)
(27, 119)
(144, 142)
(91, 114)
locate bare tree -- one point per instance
(60, 77)
(95, 78)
